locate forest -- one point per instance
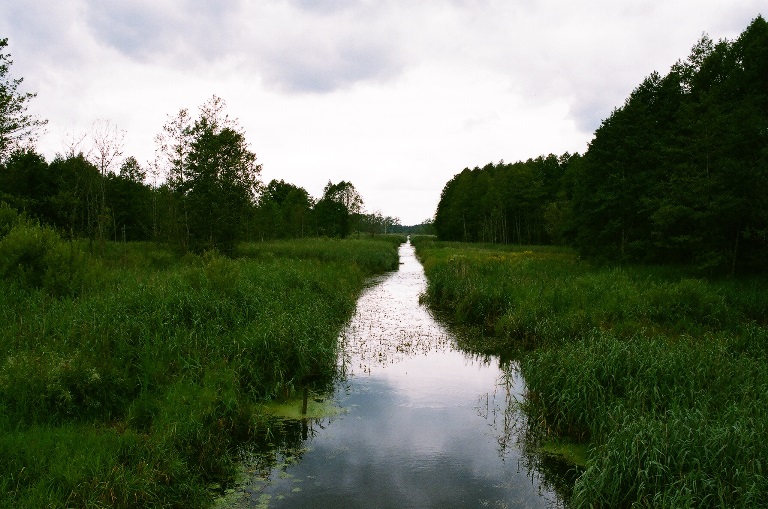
(202, 191)
(678, 174)
(143, 334)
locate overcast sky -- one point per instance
(395, 96)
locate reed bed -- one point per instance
(664, 373)
(135, 385)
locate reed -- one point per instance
(663, 373)
(137, 387)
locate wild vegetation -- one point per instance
(131, 376)
(660, 368)
(677, 174)
(141, 332)
(201, 191)
(664, 374)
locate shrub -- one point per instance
(34, 256)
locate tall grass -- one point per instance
(136, 387)
(663, 373)
(367, 253)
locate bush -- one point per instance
(8, 219)
(35, 256)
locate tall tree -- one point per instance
(75, 201)
(338, 211)
(678, 174)
(222, 180)
(18, 128)
(107, 148)
(130, 201)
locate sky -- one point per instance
(395, 96)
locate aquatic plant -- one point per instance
(138, 390)
(661, 372)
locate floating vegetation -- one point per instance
(318, 407)
(141, 387)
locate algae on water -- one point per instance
(317, 408)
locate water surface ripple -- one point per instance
(425, 425)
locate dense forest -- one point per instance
(202, 191)
(677, 174)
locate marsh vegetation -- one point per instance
(660, 372)
(131, 376)
(423, 423)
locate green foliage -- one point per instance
(130, 203)
(330, 219)
(221, 185)
(672, 422)
(504, 203)
(9, 218)
(17, 127)
(284, 211)
(663, 374)
(367, 254)
(140, 391)
(212, 176)
(35, 256)
(675, 175)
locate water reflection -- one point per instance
(426, 425)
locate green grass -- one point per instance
(137, 385)
(663, 374)
(368, 253)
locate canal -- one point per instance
(420, 424)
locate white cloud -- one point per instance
(394, 95)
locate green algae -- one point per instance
(575, 454)
(317, 408)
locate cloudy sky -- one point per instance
(395, 96)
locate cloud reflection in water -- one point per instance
(423, 424)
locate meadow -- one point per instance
(661, 372)
(132, 376)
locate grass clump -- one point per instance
(663, 374)
(138, 389)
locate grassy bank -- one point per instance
(130, 378)
(664, 374)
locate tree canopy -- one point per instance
(17, 127)
(677, 174)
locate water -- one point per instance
(424, 424)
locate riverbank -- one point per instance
(419, 422)
(664, 374)
(132, 378)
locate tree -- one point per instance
(26, 183)
(169, 174)
(107, 149)
(221, 180)
(678, 173)
(330, 218)
(172, 147)
(284, 211)
(338, 211)
(344, 193)
(211, 179)
(17, 128)
(74, 203)
(132, 170)
(130, 201)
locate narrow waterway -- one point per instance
(423, 424)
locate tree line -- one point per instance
(677, 174)
(201, 191)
